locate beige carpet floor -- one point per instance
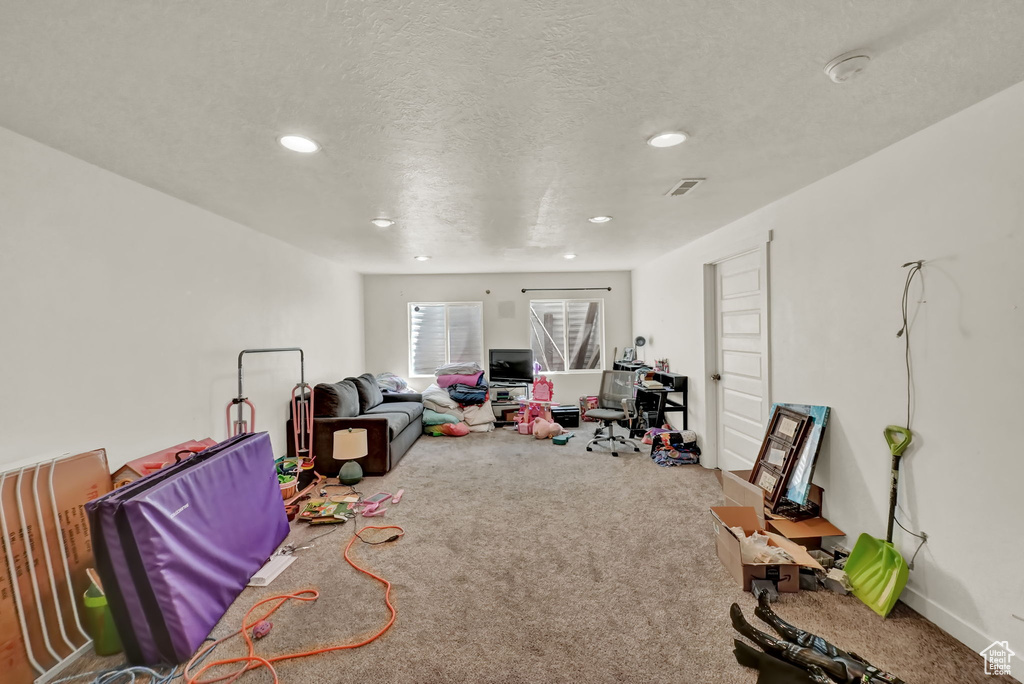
(529, 562)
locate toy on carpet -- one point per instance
(823, 661)
(261, 629)
(459, 429)
(544, 429)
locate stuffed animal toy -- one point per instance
(543, 429)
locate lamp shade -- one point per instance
(349, 444)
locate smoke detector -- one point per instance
(684, 186)
(847, 65)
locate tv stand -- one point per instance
(504, 396)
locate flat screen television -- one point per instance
(511, 365)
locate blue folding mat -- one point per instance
(177, 547)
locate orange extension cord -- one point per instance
(253, 661)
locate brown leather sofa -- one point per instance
(393, 423)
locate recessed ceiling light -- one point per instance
(422, 258)
(599, 219)
(669, 139)
(298, 143)
(569, 256)
(382, 222)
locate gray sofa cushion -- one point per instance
(397, 421)
(336, 400)
(369, 393)
(412, 409)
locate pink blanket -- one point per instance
(449, 380)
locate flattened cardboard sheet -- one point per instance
(75, 479)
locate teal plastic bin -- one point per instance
(99, 622)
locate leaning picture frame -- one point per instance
(779, 452)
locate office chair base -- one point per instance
(613, 441)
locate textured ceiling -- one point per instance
(489, 129)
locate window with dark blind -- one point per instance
(567, 334)
(444, 332)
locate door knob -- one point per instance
(716, 377)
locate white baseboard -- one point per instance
(959, 629)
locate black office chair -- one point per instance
(615, 403)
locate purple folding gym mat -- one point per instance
(112, 565)
(181, 545)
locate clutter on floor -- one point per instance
(255, 629)
(672, 447)
(140, 467)
(165, 601)
(563, 438)
(544, 429)
(787, 457)
(458, 396)
(806, 534)
(44, 565)
(820, 661)
(539, 406)
(98, 620)
(750, 552)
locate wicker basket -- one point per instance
(289, 488)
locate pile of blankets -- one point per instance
(389, 382)
(458, 402)
(673, 447)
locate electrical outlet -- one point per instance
(924, 540)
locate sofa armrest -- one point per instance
(378, 442)
(390, 398)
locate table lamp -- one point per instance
(350, 444)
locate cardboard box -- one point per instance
(785, 575)
(737, 491)
(75, 480)
(146, 465)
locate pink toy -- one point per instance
(398, 496)
(543, 429)
(369, 507)
(543, 389)
(261, 629)
(375, 513)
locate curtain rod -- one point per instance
(562, 289)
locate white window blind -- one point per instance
(567, 334)
(444, 332)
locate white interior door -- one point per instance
(741, 344)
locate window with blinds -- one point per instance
(567, 334)
(444, 332)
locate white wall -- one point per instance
(953, 195)
(385, 300)
(124, 310)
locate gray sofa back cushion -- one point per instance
(336, 400)
(369, 393)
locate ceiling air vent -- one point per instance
(684, 186)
